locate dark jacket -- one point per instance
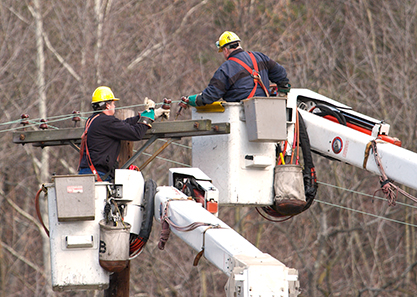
(104, 136)
(233, 83)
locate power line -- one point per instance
(177, 144)
(168, 160)
(53, 119)
(364, 194)
(365, 213)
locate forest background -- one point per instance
(363, 53)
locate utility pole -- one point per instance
(120, 281)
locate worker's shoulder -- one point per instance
(260, 55)
(227, 66)
(245, 55)
(104, 119)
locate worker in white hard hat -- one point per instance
(101, 140)
(243, 75)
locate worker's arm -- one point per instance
(278, 75)
(217, 87)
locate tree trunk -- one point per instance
(44, 170)
(120, 281)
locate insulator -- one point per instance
(24, 119)
(166, 104)
(43, 124)
(76, 118)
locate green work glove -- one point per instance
(149, 114)
(284, 88)
(192, 100)
(188, 101)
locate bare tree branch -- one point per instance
(147, 52)
(60, 59)
(23, 259)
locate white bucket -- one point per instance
(289, 189)
(114, 246)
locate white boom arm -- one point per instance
(348, 145)
(251, 272)
(399, 164)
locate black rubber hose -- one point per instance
(325, 110)
(309, 173)
(149, 198)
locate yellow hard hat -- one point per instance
(226, 38)
(102, 94)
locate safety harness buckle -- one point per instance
(255, 74)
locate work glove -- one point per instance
(149, 104)
(188, 101)
(162, 113)
(148, 115)
(283, 87)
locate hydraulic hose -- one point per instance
(38, 211)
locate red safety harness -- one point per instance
(84, 146)
(253, 72)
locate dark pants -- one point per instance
(88, 171)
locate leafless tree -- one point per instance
(53, 55)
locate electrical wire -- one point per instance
(364, 194)
(168, 160)
(363, 212)
(64, 117)
(348, 208)
(366, 213)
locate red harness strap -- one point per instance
(253, 72)
(84, 146)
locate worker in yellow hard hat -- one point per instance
(243, 75)
(225, 39)
(101, 140)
